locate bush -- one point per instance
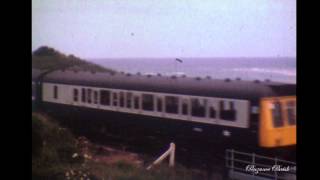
(52, 148)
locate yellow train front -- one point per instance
(277, 128)
(277, 122)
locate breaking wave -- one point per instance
(284, 72)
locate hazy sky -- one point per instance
(166, 28)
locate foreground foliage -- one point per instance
(57, 154)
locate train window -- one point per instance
(115, 99)
(147, 102)
(89, 91)
(136, 102)
(75, 95)
(121, 98)
(55, 92)
(83, 95)
(198, 107)
(277, 115)
(171, 104)
(291, 112)
(95, 97)
(159, 104)
(105, 97)
(228, 114)
(185, 107)
(212, 112)
(129, 99)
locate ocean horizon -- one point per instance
(274, 69)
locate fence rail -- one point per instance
(254, 165)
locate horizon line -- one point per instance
(189, 57)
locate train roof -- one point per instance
(36, 74)
(227, 88)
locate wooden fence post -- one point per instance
(170, 152)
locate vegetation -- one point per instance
(52, 149)
(47, 58)
(57, 154)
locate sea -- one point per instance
(274, 69)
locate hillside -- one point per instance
(78, 158)
(47, 58)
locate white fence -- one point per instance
(252, 166)
(170, 152)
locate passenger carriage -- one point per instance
(260, 114)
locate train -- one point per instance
(227, 112)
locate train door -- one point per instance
(75, 95)
(115, 100)
(185, 108)
(137, 103)
(122, 100)
(159, 105)
(213, 111)
(96, 97)
(129, 101)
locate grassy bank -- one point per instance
(47, 58)
(58, 154)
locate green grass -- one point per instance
(53, 147)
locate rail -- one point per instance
(170, 152)
(251, 165)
